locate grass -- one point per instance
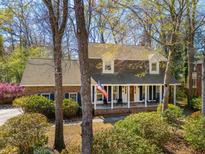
(72, 133)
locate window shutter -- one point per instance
(79, 99)
(52, 96)
(66, 95)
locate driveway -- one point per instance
(6, 114)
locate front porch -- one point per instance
(129, 98)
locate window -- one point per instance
(115, 92)
(47, 95)
(154, 67)
(73, 96)
(108, 66)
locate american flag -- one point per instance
(100, 88)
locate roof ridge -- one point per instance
(121, 45)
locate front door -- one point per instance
(131, 93)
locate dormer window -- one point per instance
(108, 66)
(154, 68)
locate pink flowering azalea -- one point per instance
(8, 90)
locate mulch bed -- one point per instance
(177, 145)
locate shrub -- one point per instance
(25, 132)
(181, 93)
(196, 103)
(197, 114)
(42, 150)
(172, 115)
(70, 108)
(9, 150)
(115, 141)
(148, 125)
(38, 104)
(9, 91)
(195, 132)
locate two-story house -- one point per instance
(132, 76)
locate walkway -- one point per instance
(6, 114)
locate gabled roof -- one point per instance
(40, 72)
(122, 52)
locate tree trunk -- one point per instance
(191, 6)
(82, 36)
(58, 25)
(191, 54)
(167, 79)
(59, 137)
(203, 85)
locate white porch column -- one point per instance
(95, 97)
(145, 96)
(160, 94)
(175, 88)
(111, 97)
(128, 97)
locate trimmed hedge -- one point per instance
(70, 108)
(148, 125)
(40, 104)
(114, 141)
(37, 104)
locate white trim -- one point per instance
(92, 84)
(150, 67)
(174, 95)
(111, 97)
(112, 66)
(136, 84)
(128, 97)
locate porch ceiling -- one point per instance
(130, 78)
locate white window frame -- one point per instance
(112, 66)
(49, 95)
(71, 93)
(150, 67)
